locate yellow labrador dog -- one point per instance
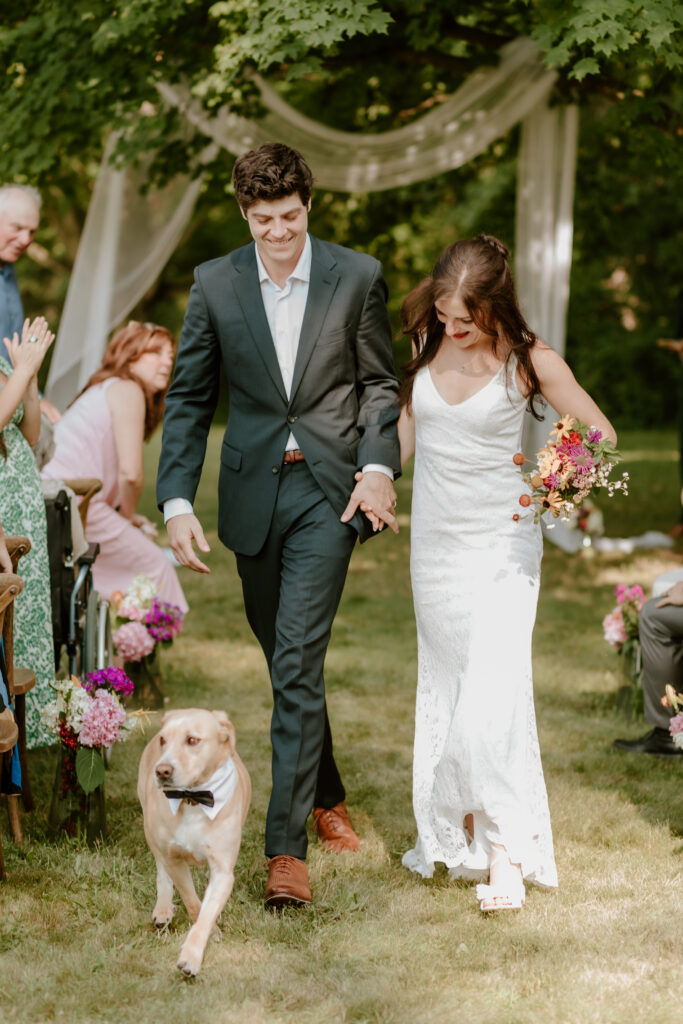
(195, 794)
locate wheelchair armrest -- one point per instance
(90, 555)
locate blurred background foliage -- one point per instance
(75, 70)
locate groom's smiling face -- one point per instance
(279, 227)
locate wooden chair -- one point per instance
(23, 680)
(10, 586)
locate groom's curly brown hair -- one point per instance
(272, 171)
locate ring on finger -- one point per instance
(33, 339)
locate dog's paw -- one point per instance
(188, 965)
(162, 916)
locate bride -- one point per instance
(478, 791)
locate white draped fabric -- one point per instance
(129, 236)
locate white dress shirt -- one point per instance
(285, 308)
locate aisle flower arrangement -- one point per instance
(620, 628)
(576, 461)
(144, 624)
(675, 700)
(85, 719)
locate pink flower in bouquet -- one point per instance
(102, 721)
(133, 642)
(676, 729)
(128, 610)
(613, 627)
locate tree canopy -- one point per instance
(75, 70)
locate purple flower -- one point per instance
(594, 436)
(112, 678)
(164, 621)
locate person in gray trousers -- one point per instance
(661, 637)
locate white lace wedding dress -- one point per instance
(475, 574)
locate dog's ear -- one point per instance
(226, 730)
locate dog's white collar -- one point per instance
(221, 784)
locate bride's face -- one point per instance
(458, 325)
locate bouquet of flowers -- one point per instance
(144, 620)
(576, 460)
(86, 719)
(620, 627)
(675, 700)
(621, 624)
(145, 625)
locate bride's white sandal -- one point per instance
(510, 896)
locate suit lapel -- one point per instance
(321, 288)
(248, 291)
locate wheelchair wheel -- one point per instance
(90, 630)
(105, 646)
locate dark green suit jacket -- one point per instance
(342, 407)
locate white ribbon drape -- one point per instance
(128, 236)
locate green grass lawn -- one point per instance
(379, 944)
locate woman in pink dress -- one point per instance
(101, 435)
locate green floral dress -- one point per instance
(22, 513)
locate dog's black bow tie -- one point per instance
(193, 796)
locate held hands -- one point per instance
(28, 355)
(675, 596)
(374, 494)
(182, 530)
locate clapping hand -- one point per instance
(375, 496)
(28, 354)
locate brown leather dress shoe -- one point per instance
(287, 882)
(334, 828)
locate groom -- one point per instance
(302, 330)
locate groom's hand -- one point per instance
(182, 530)
(374, 493)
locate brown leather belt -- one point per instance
(293, 455)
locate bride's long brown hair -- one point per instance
(127, 345)
(478, 271)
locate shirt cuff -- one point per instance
(376, 467)
(176, 507)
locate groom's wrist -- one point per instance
(376, 467)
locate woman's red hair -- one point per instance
(125, 347)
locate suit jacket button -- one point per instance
(292, 419)
(276, 469)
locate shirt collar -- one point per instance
(301, 272)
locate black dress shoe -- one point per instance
(658, 742)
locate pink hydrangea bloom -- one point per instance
(613, 627)
(128, 610)
(676, 729)
(132, 641)
(102, 721)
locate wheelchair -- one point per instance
(81, 622)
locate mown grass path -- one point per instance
(379, 944)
